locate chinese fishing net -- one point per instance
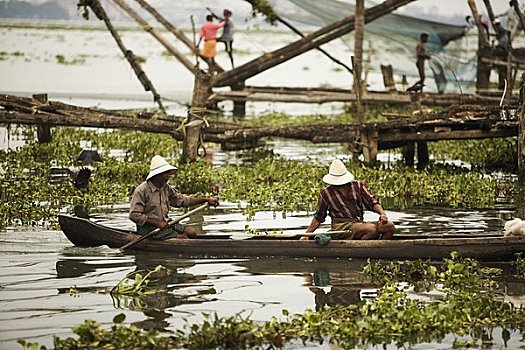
(394, 37)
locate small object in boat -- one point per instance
(515, 227)
(322, 239)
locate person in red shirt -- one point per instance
(208, 33)
(345, 200)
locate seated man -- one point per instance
(345, 200)
(151, 201)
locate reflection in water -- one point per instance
(36, 263)
(332, 281)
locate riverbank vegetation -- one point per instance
(416, 302)
(32, 194)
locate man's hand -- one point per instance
(213, 201)
(162, 224)
(383, 219)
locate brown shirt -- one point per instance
(150, 202)
(345, 201)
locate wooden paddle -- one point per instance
(283, 236)
(170, 223)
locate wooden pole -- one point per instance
(239, 107)
(388, 78)
(514, 4)
(195, 119)
(43, 130)
(175, 31)
(99, 11)
(521, 133)
(369, 140)
(357, 59)
(490, 12)
(483, 70)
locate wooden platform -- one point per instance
(455, 123)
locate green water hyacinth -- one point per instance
(270, 183)
(471, 307)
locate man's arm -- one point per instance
(201, 200)
(313, 225)
(382, 215)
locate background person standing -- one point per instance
(208, 32)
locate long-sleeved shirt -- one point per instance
(150, 202)
(347, 201)
(209, 30)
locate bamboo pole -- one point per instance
(99, 11)
(146, 27)
(297, 31)
(179, 34)
(307, 43)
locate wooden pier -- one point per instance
(458, 122)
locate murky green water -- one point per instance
(39, 268)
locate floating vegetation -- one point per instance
(61, 59)
(520, 266)
(134, 287)
(271, 184)
(469, 308)
(483, 155)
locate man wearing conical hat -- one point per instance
(151, 201)
(345, 200)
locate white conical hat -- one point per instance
(159, 165)
(338, 175)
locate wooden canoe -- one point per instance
(493, 247)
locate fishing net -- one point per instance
(394, 38)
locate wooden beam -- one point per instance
(99, 11)
(418, 135)
(309, 42)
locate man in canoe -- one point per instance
(345, 200)
(152, 199)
